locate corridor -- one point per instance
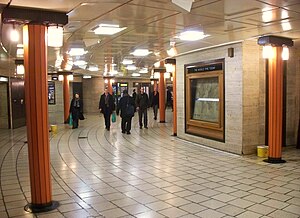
(100, 173)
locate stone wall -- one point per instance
(56, 112)
(293, 96)
(253, 97)
(233, 75)
(3, 106)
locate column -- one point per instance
(275, 104)
(174, 104)
(109, 86)
(36, 91)
(66, 93)
(162, 101)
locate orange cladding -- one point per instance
(275, 104)
(162, 91)
(36, 96)
(66, 92)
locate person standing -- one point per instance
(106, 106)
(76, 107)
(133, 94)
(169, 98)
(126, 106)
(155, 103)
(142, 103)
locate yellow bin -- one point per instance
(262, 151)
(53, 128)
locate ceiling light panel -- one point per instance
(108, 29)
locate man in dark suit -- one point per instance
(106, 106)
(142, 104)
(126, 106)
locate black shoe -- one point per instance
(146, 127)
(123, 132)
(155, 118)
(108, 128)
(141, 127)
(128, 133)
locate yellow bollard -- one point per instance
(54, 129)
(262, 151)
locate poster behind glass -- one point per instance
(205, 99)
(51, 93)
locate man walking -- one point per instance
(142, 103)
(126, 106)
(106, 106)
(155, 103)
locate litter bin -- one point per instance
(262, 151)
(54, 129)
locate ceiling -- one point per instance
(152, 23)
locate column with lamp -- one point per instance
(159, 71)
(109, 80)
(35, 23)
(171, 68)
(276, 51)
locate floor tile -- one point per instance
(209, 213)
(173, 212)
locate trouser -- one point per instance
(75, 117)
(126, 124)
(107, 118)
(143, 112)
(155, 109)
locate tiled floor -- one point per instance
(96, 173)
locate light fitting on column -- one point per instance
(268, 52)
(285, 53)
(55, 36)
(14, 35)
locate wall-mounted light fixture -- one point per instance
(20, 70)
(55, 36)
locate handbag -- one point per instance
(70, 120)
(81, 117)
(113, 117)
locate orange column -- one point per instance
(109, 86)
(174, 104)
(162, 91)
(36, 95)
(275, 106)
(66, 93)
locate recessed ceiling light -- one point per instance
(136, 74)
(80, 63)
(77, 52)
(93, 68)
(131, 67)
(87, 77)
(192, 35)
(127, 62)
(143, 70)
(108, 29)
(141, 52)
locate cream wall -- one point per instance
(244, 97)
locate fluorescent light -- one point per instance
(77, 52)
(108, 29)
(136, 74)
(143, 70)
(80, 63)
(3, 79)
(156, 75)
(286, 25)
(55, 36)
(131, 67)
(208, 99)
(87, 77)
(93, 68)
(285, 53)
(20, 69)
(127, 62)
(14, 35)
(192, 35)
(60, 77)
(70, 77)
(141, 52)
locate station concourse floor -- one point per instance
(100, 173)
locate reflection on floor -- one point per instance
(99, 173)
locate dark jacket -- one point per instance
(109, 107)
(155, 99)
(76, 107)
(142, 101)
(122, 106)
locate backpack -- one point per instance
(129, 109)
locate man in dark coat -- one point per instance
(76, 107)
(106, 106)
(155, 103)
(142, 104)
(126, 106)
